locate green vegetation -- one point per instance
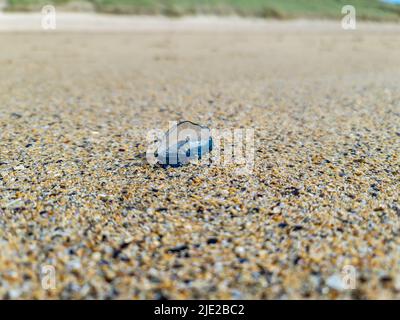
(281, 9)
(31, 5)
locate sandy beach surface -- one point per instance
(78, 196)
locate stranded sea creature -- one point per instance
(183, 143)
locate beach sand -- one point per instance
(77, 194)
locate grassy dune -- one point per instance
(283, 9)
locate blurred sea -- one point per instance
(391, 1)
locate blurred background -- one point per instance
(76, 108)
(377, 10)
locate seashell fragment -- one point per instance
(183, 143)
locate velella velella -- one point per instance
(183, 143)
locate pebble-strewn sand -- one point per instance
(77, 194)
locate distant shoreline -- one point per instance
(367, 10)
(106, 22)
